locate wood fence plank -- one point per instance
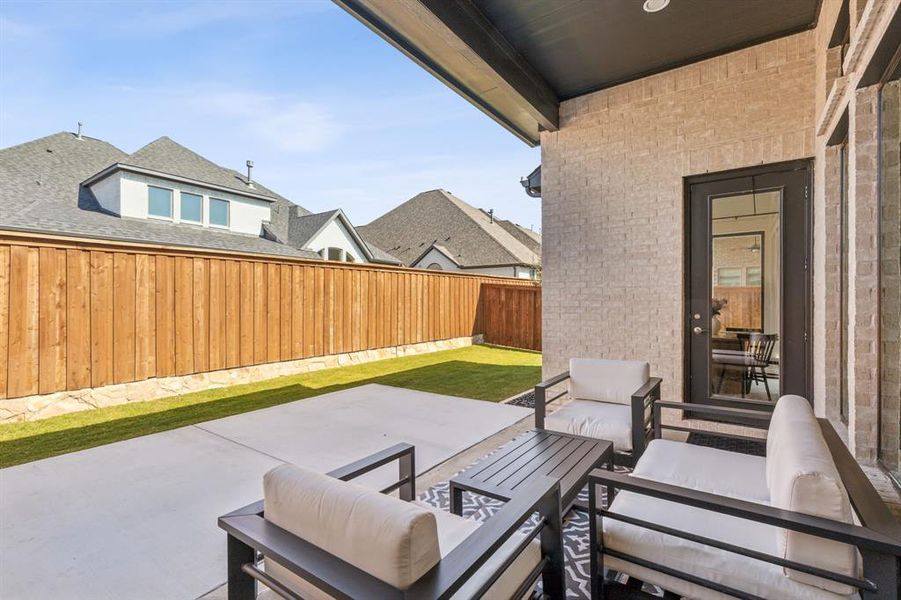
(328, 305)
(260, 313)
(78, 319)
(297, 311)
(52, 320)
(217, 308)
(338, 275)
(365, 308)
(101, 318)
(309, 312)
(393, 310)
(348, 310)
(4, 318)
(356, 310)
(233, 315)
(123, 317)
(165, 316)
(24, 265)
(184, 315)
(247, 344)
(274, 311)
(285, 327)
(319, 312)
(145, 316)
(201, 315)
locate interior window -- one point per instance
(219, 210)
(191, 207)
(159, 202)
(728, 277)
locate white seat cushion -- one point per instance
(452, 530)
(740, 572)
(708, 469)
(388, 538)
(597, 420)
(803, 478)
(606, 380)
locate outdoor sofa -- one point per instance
(609, 400)
(319, 536)
(803, 522)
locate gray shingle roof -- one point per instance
(167, 156)
(303, 228)
(40, 191)
(531, 239)
(439, 217)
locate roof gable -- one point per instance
(168, 157)
(437, 217)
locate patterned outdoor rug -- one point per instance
(575, 534)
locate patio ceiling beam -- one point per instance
(455, 42)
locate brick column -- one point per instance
(890, 266)
(863, 276)
(827, 286)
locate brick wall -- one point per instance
(612, 192)
(863, 272)
(890, 281)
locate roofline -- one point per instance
(510, 90)
(338, 213)
(530, 104)
(435, 246)
(100, 238)
(115, 167)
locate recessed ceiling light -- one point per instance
(653, 6)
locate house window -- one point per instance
(191, 207)
(434, 267)
(728, 277)
(334, 254)
(219, 212)
(752, 276)
(159, 202)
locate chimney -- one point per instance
(250, 173)
(491, 214)
(78, 135)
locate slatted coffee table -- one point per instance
(568, 458)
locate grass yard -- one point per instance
(482, 372)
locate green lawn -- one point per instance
(483, 372)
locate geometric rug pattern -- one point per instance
(575, 534)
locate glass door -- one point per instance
(748, 290)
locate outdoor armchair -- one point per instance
(321, 536)
(803, 522)
(610, 400)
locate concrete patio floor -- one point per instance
(137, 519)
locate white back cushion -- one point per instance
(393, 540)
(606, 380)
(803, 478)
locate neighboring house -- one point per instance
(437, 230)
(164, 193)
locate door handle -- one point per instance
(698, 331)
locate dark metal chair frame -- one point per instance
(642, 415)
(251, 537)
(878, 538)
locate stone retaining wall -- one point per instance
(32, 408)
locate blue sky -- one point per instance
(331, 115)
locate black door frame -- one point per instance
(805, 165)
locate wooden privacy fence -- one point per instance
(76, 314)
(511, 315)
